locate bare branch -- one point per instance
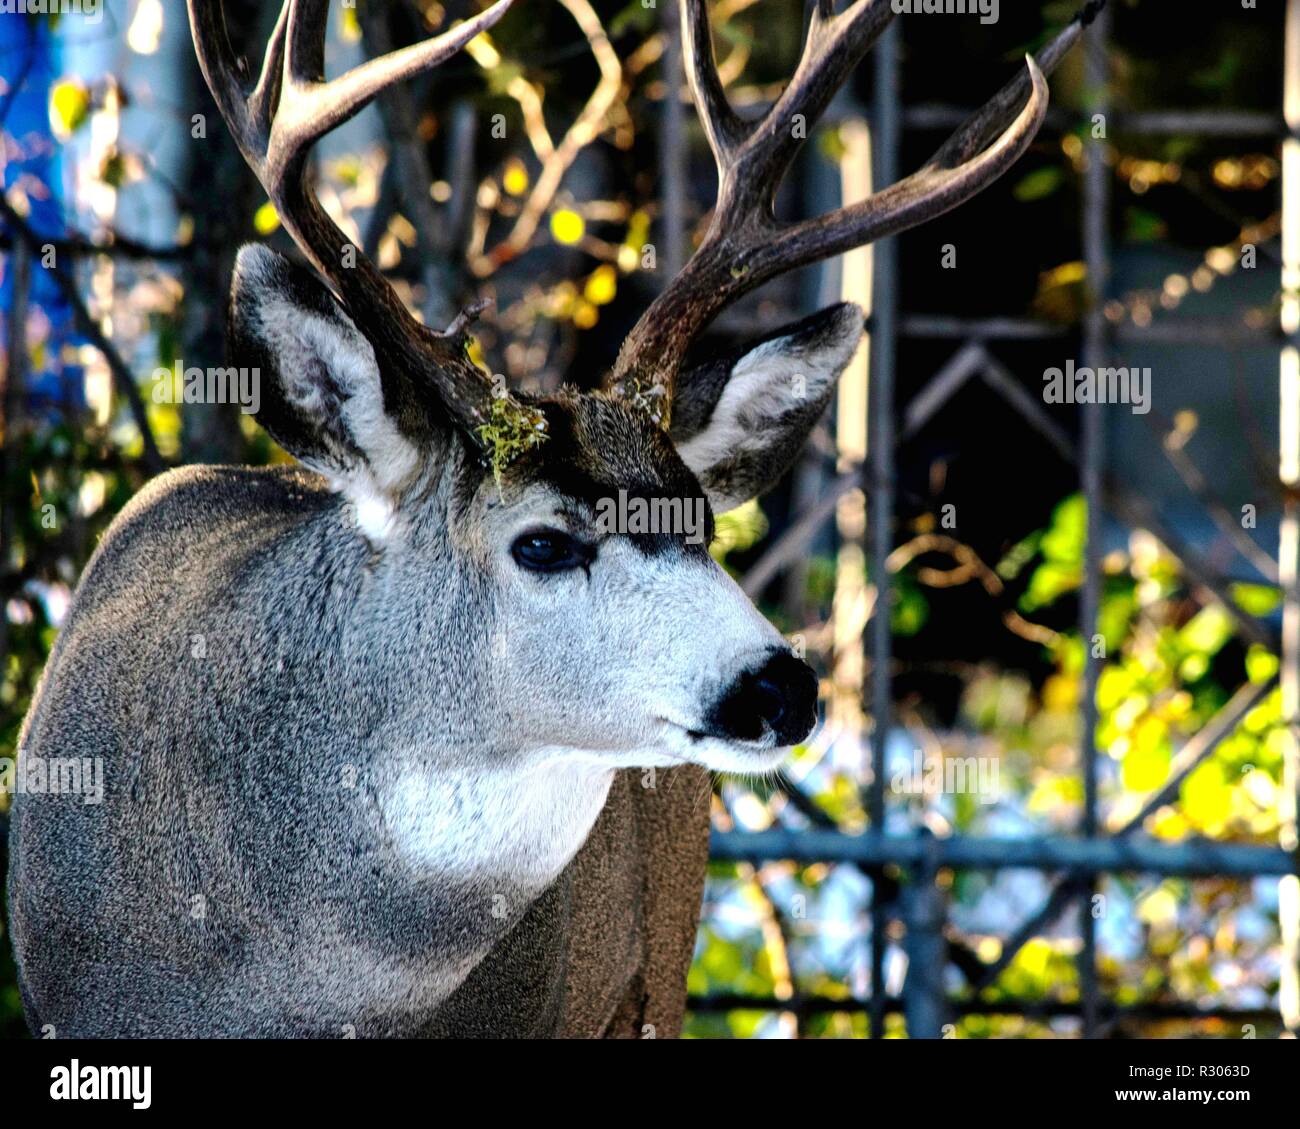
(557, 159)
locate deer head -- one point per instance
(617, 646)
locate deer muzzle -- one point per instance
(778, 697)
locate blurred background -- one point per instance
(1057, 645)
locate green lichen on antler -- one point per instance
(513, 429)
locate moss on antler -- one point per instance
(513, 429)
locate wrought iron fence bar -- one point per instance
(672, 146)
(1228, 520)
(886, 99)
(795, 539)
(1288, 895)
(956, 371)
(1049, 1009)
(980, 329)
(1063, 892)
(1206, 123)
(1194, 858)
(925, 909)
(998, 377)
(1223, 331)
(1096, 255)
(941, 116)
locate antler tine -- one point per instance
(275, 124)
(264, 99)
(983, 125)
(221, 72)
(935, 188)
(305, 61)
(762, 150)
(834, 46)
(723, 128)
(345, 96)
(745, 247)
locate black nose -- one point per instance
(781, 695)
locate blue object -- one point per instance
(29, 63)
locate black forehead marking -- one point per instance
(595, 448)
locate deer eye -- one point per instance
(550, 550)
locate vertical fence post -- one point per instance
(1289, 540)
(925, 1002)
(885, 120)
(1096, 221)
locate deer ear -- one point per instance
(318, 381)
(739, 421)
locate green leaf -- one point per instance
(910, 609)
(1261, 664)
(1039, 184)
(1141, 226)
(1256, 599)
(1207, 631)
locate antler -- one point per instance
(745, 244)
(276, 120)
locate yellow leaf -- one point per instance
(1207, 800)
(601, 286)
(1158, 908)
(515, 178)
(69, 107)
(266, 219)
(350, 26)
(1146, 766)
(1061, 692)
(567, 226)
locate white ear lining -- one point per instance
(328, 373)
(763, 389)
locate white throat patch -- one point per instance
(525, 826)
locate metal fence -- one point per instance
(1079, 860)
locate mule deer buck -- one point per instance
(370, 724)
